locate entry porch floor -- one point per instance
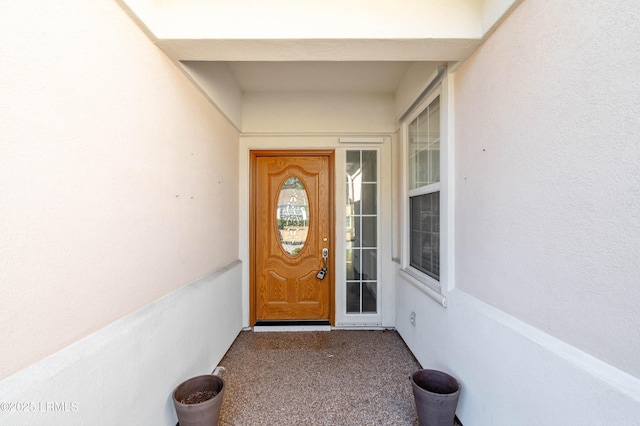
(339, 377)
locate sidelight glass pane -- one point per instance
(369, 231)
(357, 234)
(354, 165)
(353, 256)
(354, 182)
(292, 216)
(353, 297)
(369, 264)
(369, 166)
(369, 198)
(369, 297)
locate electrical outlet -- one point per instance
(412, 319)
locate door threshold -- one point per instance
(282, 326)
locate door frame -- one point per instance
(253, 155)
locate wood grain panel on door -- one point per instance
(286, 286)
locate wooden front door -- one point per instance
(292, 224)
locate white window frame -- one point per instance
(437, 289)
(370, 315)
(384, 300)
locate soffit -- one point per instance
(313, 76)
(328, 45)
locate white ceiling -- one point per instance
(319, 76)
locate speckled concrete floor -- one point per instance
(341, 377)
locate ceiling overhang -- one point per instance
(447, 50)
(327, 30)
(231, 48)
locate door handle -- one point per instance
(323, 271)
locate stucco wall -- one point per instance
(547, 167)
(118, 178)
(542, 324)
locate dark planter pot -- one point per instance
(204, 413)
(436, 395)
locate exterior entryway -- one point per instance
(319, 378)
(292, 273)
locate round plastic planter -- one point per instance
(436, 395)
(204, 413)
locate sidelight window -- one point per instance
(362, 232)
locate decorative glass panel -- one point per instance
(293, 215)
(362, 231)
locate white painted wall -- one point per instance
(542, 325)
(313, 112)
(217, 82)
(511, 373)
(125, 373)
(118, 178)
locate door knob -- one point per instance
(323, 271)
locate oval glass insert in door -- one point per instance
(293, 216)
